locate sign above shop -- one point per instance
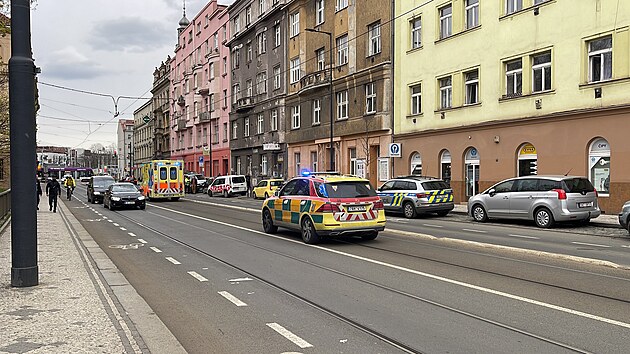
(271, 146)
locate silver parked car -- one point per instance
(624, 216)
(544, 199)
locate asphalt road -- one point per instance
(221, 285)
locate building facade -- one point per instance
(200, 82)
(487, 90)
(124, 146)
(357, 98)
(258, 87)
(161, 110)
(143, 136)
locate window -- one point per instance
(541, 72)
(296, 160)
(277, 36)
(295, 70)
(225, 98)
(446, 92)
(472, 13)
(374, 35)
(416, 33)
(314, 161)
(249, 51)
(370, 98)
(600, 59)
(262, 43)
(211, 70)
(237, 25)
(211, 102)
(352, 153)
(341, 4)
(274, 120)
(319, 12)
(262, 6)
(514, 78)
(295, 24)
(527, 160)
(235, 92)
(234, 130)
(248, 16)
(261, 124)
(225, 69)
(250, 88)
(225, 131)
(321, 62)
(342, 50)
(215, 132)
(264, 165)
(216, 41)
(246, 127)
(416, 99)
(445, 166)
(276, 77)
(317, 110)
(472, 87)
(261, 80)
(342, 105)
(446, 21)
(236, 58)
(224, 33)
(513, 6)
(295, 117)
(599, 165)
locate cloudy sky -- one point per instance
(109, 47)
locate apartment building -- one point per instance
(125, 141)
(199, 88)
(143, 136)
(487, 90)
(350, 86)
(258, 61)
(161, 110)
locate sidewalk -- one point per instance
(82, 304)
(604, 220)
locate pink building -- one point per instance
(200, 81)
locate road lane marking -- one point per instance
(590, 244)
(625, 246)
(109, 220)
(231, 298)
(431, 225)
(132, 234)
(423, 274)
(141, 240)
(105, 217)
(155, 249)
(522, 236)
(240, 279)
(197, 276)
(122, 228)
(115, 224)
(290, 336)
(477, 231)
(173, 260)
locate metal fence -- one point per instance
(5, 203)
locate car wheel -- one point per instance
(266, 195)
(143, 206)
(369, 236)
(409, 210)
(543, 218)
(267, 221)
(442, 213)
(111, 207)
(479, 213)
(254, 195)
(628, 226)
(174, 199)
(309, 234)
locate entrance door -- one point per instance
(472, 179)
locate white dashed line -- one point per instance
(232, 298)
(155, 249)
(115, 224)
(477, 231)
(590, 244)
(624, 246)
(173, 260)
(290, 336)
(105, 217)
(122, 228)
(430, 225)
(197, 276)
(521, 236)
(132, 234)
(109, 221)
(141, 240)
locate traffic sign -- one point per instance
(146, 119)
(200, 160)
(395, 150)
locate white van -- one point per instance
(228, 186)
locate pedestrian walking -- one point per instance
(39, 191)
(53, 191)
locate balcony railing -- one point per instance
(314, 79)
(204, 117)
(181, 124)
(245, 103)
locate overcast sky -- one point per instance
(109, 47)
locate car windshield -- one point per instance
(353, 189)
(578, 185)
(239, 179)
(103, 182)
(124, 188)
(275, 183)
(435, 185)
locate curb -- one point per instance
(592, 223)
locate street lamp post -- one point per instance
(330, 78)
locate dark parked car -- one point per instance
(624, 216)
(97, 185)
(125, 194)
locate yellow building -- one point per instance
(486, 90)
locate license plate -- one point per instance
(130, 202)
(356, 208)
(585, 205)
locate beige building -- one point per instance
(143, 136)
(358, 96)
(486, 90)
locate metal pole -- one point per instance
(332, 116)
(24, 269)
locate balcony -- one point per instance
(181, 124)
(245, 103)
(316, 79)
(204, 117)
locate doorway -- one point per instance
(472, 172)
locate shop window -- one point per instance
(527, 160)
(599, 165)
(416, 164)
(445, 166)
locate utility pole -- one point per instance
(24, 269)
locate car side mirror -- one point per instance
(276, 193)
(492, 192)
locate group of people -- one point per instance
(53, 191)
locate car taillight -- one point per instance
(596, 195)
(421, 195)
(328, 208)
(562, 195)
(378, 205)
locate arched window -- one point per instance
(445, 166)
(416, 164)
(527, 160)
(599, 165)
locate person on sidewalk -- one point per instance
(39, 191)
(53, 190)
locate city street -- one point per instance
(425, 285)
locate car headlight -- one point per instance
(116, 199)
(141, 197)
(97, 193)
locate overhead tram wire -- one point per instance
(74, 104)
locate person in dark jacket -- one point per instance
(39, 191)
(53, 190)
